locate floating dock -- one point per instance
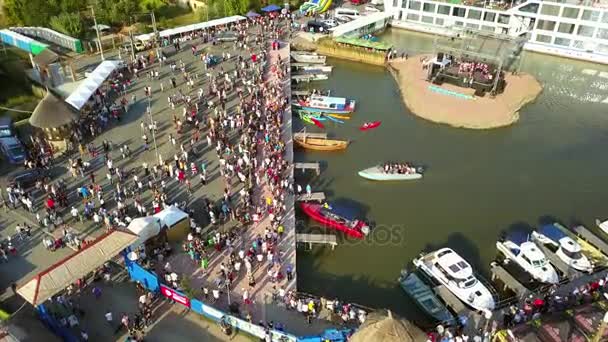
(450, 300)
(310, 239)
(309, 166)
(315, 196)
(301, 93)
(591, 238)
(498, 272)
(309, 77)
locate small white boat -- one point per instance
(602, 225)
(312, 68)
(568, 250)
(378, 173)
(309, 77)
(452, 271)
(516, 247)
(308, 57)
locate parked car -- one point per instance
(12, 150)
(27, 178)
(6, 127)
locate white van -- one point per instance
(346, 12)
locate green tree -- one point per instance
(242, 6)
(29, 12)
(68, 23)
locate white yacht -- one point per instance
(602, 225)
(568, 250)
(575, 29)
(452, 271)
(516, 247)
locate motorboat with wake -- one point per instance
(568, 250)
(336, 218)
(516, 247)
(327, 104)
(451, 270)
(392, 172)
(424, 297)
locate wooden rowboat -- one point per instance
(320, 144)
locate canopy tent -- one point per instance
(170, 216)
(252, 14)
(384, 327)
(192, 27)
(271, 8)
(83, 92)
(59, 276)
(52, 112)
(144, 228)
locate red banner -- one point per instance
(175, 296)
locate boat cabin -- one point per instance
(532, 255)
(455, 268)
(570, 248)
(338, 103)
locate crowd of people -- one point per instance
(400, 168)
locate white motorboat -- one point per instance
(517, 248)
(308, 57)
(379, 174)
(568, 250)
(452, 271)
(602, 225)
(312, 68)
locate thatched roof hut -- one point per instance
(383, 326)
(52, 112)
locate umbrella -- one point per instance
(317, 123)
(384, 327)
(252, 14)
(271, 8)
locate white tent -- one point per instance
(193, 27)
(59, 276)
(170, 216)
(144, 228)
(83, 92)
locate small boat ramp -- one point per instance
(309, 166)
(310, 239)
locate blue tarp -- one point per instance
(343, 211)
(518, 237)
(252, 14)
(271, 8)
(552, 232)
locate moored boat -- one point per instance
(517, 248)
(328, 104)
(311, 68)
(392, 172)
(568, 250)
(307, 57)
(320, 144)
(336, 219)
(451, 270)
(424, 297)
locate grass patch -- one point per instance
(190, 17)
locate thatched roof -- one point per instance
(46, 57)
(383, 326)
(52, 112)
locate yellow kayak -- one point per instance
(338, 116)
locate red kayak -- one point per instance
(326, 216)
(370, 125)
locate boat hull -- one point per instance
(314, 212)
(377, 174)
(424, 297)
(323, 110)
(321, 144)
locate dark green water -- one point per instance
(552, 163)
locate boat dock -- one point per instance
(509, 282)
(309, 166)
(310, 239)
(307, 78)
(591, 238)
(300, 93)
(449, 299)
(303, 135)
(315, 196)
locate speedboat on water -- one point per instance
(336, 218)
(424, 297)
(327, 104)
(392, 171)
(452, 271)
(516, 247)
(568, 250)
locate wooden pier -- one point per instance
(301, 135)
(309, 166)
(591, 238)
(300, 92)
(326, 239)
(315, 196)
(450, 300)
(508, 280)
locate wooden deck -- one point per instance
(309, 166)
(508, 280)
(450, 299)
(593, 239)
(315, 196)
(311, 239)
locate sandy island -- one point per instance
(478, 113)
